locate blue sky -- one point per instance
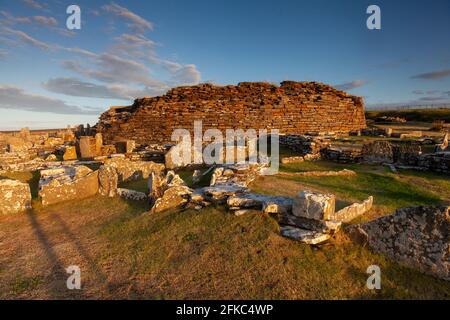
(51, 76)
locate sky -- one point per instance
(51, 77)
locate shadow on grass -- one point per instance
(57, 287)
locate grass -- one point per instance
(422, 115)
(212, 254)
(124, 252)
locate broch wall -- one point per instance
(292, 107)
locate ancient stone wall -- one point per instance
(292, 107)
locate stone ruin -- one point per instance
(418, 237)
(292, 107)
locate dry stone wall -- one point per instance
(292, 107)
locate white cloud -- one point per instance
(137, 23)
(187, 75)
(16, 98)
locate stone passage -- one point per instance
(292, 107)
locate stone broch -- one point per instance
(292, 107)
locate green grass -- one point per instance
(422, 115)
(212, 254)
(390, 191)
(140, 185)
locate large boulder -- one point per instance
(15, 196)
(67, 183)
(415, 236)
(313, 205)
(108, 181)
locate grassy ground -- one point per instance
(124, 252)
(422, 115)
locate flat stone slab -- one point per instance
(131, 194)
(268, 204)
(313, 205)
(303, 235)
(353, 211)
(321, 226)
(223, 191)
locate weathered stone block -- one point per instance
(70, 153)
(108, 180)
(67, 183)
(313, 205)
(15, 196)
(353, 211)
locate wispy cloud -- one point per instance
(78, 88)
(11, 19)
(24, 37)
(351, 85)
(45, 21)
(432, 75)
(12, 97)
(34, 4)
(136, 22)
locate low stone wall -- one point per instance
(133, 170)
(304, 145)
(67, 183)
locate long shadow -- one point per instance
(58, 272)
(101, 277)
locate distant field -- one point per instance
(422, 115)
